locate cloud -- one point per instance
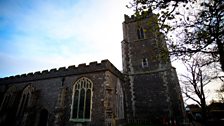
(53, 33)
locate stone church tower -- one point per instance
(152, 90)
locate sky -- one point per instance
(43, 34)
(37, 35)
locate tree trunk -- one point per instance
(204, 112)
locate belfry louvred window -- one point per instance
(81, 100)
(140, 33)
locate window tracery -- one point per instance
(8, 98)
(25, 99)
(140, 33)
(81, 100)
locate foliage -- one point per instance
(202, 31)
(191, 26)
(196, 79)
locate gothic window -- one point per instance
(25, 99)
(144, 62)
(140, 33)
(81, 100)
(8, 98)
(6, 101)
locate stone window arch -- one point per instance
(81, 100)
(140, 33)
(25, 100)
(8, 98)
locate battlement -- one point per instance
(132, 18)
(104, 65)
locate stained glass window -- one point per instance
(82, 99)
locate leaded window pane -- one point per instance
(81, 103)
(88, 100)
(75, 104)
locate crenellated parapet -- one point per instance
(104, 65)
(133, 18)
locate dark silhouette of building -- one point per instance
(98, 94)
(214, 114)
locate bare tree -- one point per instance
(194, 82)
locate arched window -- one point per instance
(140, 33)
(8, 98)
(25, 99)
(81, 100)
(144, 62)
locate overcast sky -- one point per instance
(43, 34)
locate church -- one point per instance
(146, 92)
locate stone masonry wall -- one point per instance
(152, 91)
(55, 87)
